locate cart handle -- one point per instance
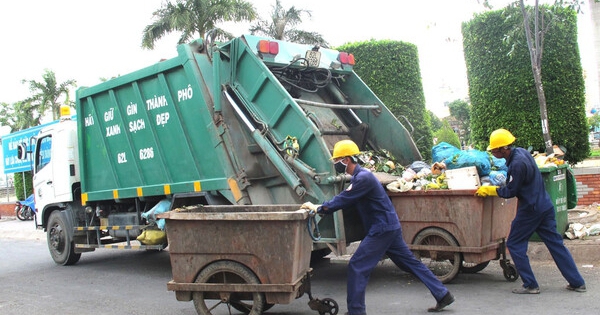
(314, 233)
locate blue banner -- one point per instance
(10, 144)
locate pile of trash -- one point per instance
(549, 160)
(583, 222)
(578, 230)
(423, 176)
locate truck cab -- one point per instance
(56, 179)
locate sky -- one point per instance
(88, 40)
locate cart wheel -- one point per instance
(510, 272)
(473, 268)
(443, 264)
(252, 303)
(332, 305)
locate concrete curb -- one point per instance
(585, 251)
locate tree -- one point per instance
(18, 116)
(542, 20)
(436, 123)
(282, 19)
(594, 122)
(447, 134)
(195, 18)
(502, 90)
(461, 111)
(46, 95)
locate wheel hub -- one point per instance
(56, 237)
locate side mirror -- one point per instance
(22, 151)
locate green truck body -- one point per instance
(220, 123)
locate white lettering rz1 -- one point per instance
(156, 102)
(185, 94)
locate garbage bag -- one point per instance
(476, 158)
(442, 151)
(399, 185)
(417, 166)
(152, 237)
(497, 178)
(499, 164)
(161, 207)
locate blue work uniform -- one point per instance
(384, 236)
(535, 213)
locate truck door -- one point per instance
(43, 185)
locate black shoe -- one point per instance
(445, 301)
(580, 289)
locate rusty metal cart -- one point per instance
(453, 230)
(243, 257)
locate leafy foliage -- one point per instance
(447, 134)
(282, 23)
(18, 182)
(436, 123)
(47, 94)
(501, 86)
(594, 122)
(18, 116)
(461, 111)
(391, 70)
(194, 18)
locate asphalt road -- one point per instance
(132, 282)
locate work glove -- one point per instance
(485, 191)
(312, 208)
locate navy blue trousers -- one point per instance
(544, 224)
(369, 253)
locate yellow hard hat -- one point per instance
(500, 138)
(345, 148)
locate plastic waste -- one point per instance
(161, 207)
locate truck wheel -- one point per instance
(60, 245)
(252, 303)
(444, 264)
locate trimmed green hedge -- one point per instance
(18, 182)
(501, 85)
(391, 70)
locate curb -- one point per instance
(585, 251)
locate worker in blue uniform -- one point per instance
(384, 234)
(535, 213)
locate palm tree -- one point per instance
(18, 116)
(281, 19)
(195, 18)
(46, 94)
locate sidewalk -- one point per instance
(12, 228)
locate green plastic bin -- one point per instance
(562, 192)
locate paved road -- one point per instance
(129, 282)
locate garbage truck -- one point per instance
(250, 121)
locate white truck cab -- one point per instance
(56, 166)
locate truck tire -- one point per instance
(60, 244)
(444, 264)
(252, 303)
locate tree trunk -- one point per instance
(539, 88)
(535, 46)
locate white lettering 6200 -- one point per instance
(147, 153)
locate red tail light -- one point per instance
(268, 47)
(346, 58)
